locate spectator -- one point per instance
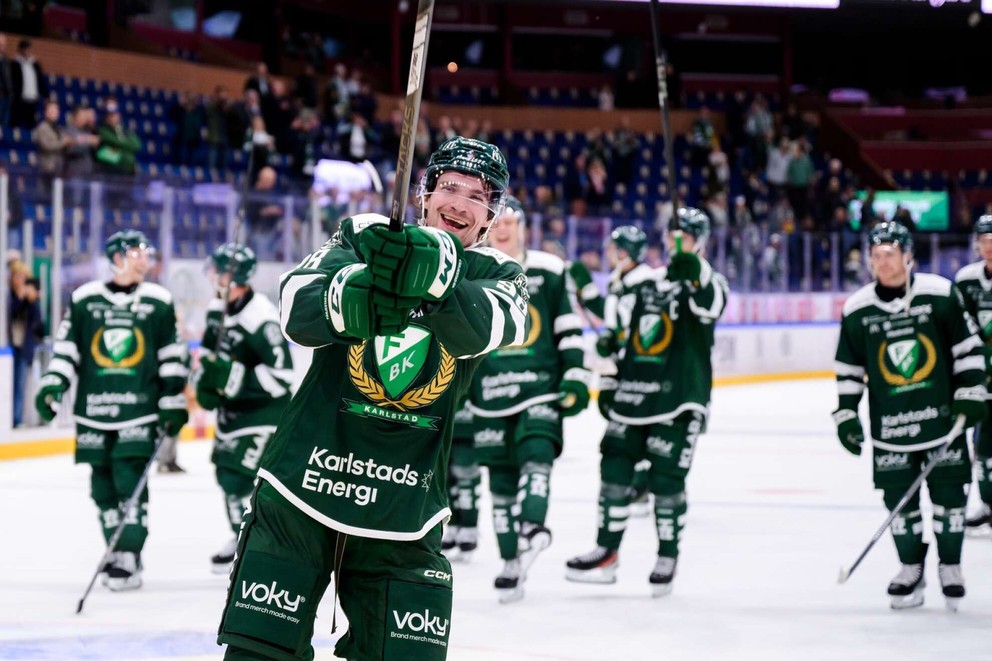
(605, 99)
(119, 147)
(277, 109)
(305, 137)
(758, 126)
(189, 129)
(239, 119)
(389, 139)
(6, 83)
(51, 140)
(445, 131)
(422, 147)
(829, 199)
(24, 328)
(741, 214)
(793, 126)
(625, 146)
(868, 215)
(904, 218)
(716, 208)
(799, 176)
(777, 171)
(260, 82)
(261, 144)
(599, 192)
(364, 103)
(305, 88)
(82, 142)
(719, 170)
(702, 138)
(576, 179)
(734, 113)
(782, 218)
(354, 82)
(215, 128)
(264, 215)
(485, 131)
(15, 210)
(29, 87)
(357, 138)
(336, 98)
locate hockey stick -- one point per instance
(913, 488)
(411, 113)
(128, 504)
(666, 127)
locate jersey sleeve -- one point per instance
(968, 366)
(709, 299)
(171, 353)
(211, 333)
(65, 361)
(304, 313)
(568, 330)
(274, 370)
(849, 365)
(486, 311)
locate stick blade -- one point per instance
(842, 578)
(79, 606)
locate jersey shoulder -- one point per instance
(974, 271)
(639, 274)
(862, 298)
(931, 284)
(486, 262)
(257, 313)
(545, 261)
(89, 290)
(158, 292)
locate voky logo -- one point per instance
(271, 595)
(421, 622)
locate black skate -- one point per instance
(467, 540)
(598, 566)
(104, 577)
(534, 538)
(980, 523)
(510, 582)
(125, 572)
(906, 589)
(952, 584)
(222, 561)
(448, 540)
(661, 576)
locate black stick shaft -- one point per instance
(666, 126)
(411, 113)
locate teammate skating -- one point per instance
(461, 534)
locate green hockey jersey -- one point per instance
(620, 298)
(915, 361)
(515, 378)
(259, 386)
(976, 287)
(363, 446)
(665, 367)
(124, 351)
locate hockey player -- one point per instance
(461, 535)
(626, 251)
(975, 283)
(908, 336)
(519, 396)
(353, 482)
(247, 378)
(119, 340)
(660, 402)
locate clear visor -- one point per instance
(142, 251)
(493, 201)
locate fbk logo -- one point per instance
(271, 595)
(421, 622)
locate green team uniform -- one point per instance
(122, 347)
(586, 292)
(359, 462)
(515, 399)
(976, 286)
(464, 474)
(916, 363)
(254, 396)
(664, 377)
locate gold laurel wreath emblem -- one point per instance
(412, 399)
(922, 373)
(659, 346)
(126, 363)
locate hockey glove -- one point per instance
(172, 414)
(580, 275)
(849, 430)
(607, 344)
(356, 309)
(207, 399)
(50, 390)
(607, 389)
(419, 262)
(970, 402)
(574, 389)
(685, 267)
(215, 373)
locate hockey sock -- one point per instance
(465, 501)
(127, 471)
(614, 508)
(670, 509)
(503, 484)
(949, 502)
(237, 488)
(103, 494)
(639, 485)
(907, 528)
(533, 490)
(985, 478)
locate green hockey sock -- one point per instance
(985, 478)
(506, 510)
(534, 487)
(465, 495)
(237, 488)
(669, 514)
(907, 528)
(614, 508)
(949, 502)
(639, 486)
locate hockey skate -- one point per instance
(510, 582)
(980, 523)
(640, 505)
(598, 566)
(170, 467)
(661, 576)
(104, 575)
(125, 573)
(458, 544)
(221, 562)
(534, 538)
(906, 589)
(952, 584)
(448, 539)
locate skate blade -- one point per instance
(221, 569)
(900, 603)
(123, 585)
(660, 589)
(979, 532)
(952, 603)
(600, 576)
(510, 595)
(538, 544)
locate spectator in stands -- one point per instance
(758, 126)
(264, 215)
(904, 218)
(799, 177)
(188, 118)
(336, 98)
(485, 131)
(782, 218)
(741, 215)
(82, 142)
(15, 211)
(445, 131)
(364, 103)
(29, 87)
(357, 139)
(306, 139)
(793, 125)
(829, 198)
(51, 141)
(422, 146)
(599, 192)
(718, 172)
(118, 151)
(354, 82)
(389, 139)
(716, 208)
(305, 88)
(576, 182)
(262, 146)
(777, 170)
(624, 146)
(772, 263)
(605, 99)
(868, 215)
(277, 109)
(597, 147)
(24, 328)
(734, 113)
(239, 119)
(260, 82)
(215, 128)
(702, 138)
(6, 83)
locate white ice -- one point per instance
(776, 508)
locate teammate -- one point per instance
(119, 340)
(626, 251)
(519, 396)
(588, 297)
(246, 374)
(658, 405)
(353, 482)
(975, 282)
(461, 535)
(908, 335)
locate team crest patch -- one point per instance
(907, 362)
(118, 348)
(904, 356)
(400, 358)
(653, 334)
